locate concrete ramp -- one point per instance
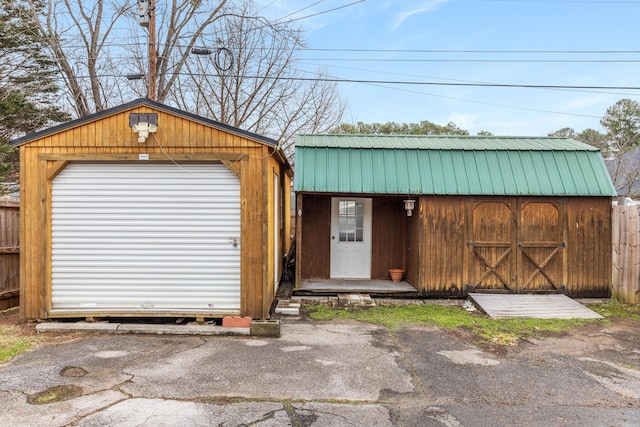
(546, 306)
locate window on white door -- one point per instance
(350, 221)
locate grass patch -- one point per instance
(13, 342)
(500, 331)
(617, 310)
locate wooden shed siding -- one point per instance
(274, 168)
(252, 246)
(435, 245)
(444, 243)
(414, 267)
(33, 229)
(587, 256)
(314, 248)
(388, 236)
(178, 136)
(114, 131)
(589, 246)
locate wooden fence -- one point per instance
(626, 254)
(9, 254)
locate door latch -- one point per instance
(234, 241)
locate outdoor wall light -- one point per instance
(143, 124)
(409, 205)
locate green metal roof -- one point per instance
(451, 165)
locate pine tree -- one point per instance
(27, 83)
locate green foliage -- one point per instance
(26, 82)
(588, 136)
(622, 122)
(500, 331)
(595, 139)
(425, 127)
(8, 162)
(564, 133)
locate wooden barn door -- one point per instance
(491, 248)
(541, 243)
(516, 245)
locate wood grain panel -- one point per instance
(541, 245)
(589, 230)
(314, 251)
(9, 254)
(443, 250)
(492, 244)
(389, 224)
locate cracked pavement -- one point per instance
(329, 374)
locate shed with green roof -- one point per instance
(456, 213)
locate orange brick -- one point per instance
(236, 322)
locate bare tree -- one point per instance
(259, 88)
(97, 43)
(255, 82)
(79, 35)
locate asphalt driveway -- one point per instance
(328, 374)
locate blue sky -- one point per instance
(451, 35)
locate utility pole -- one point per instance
(153, 54)
(147, 17)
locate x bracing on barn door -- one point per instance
(540, 267)
(492, 268)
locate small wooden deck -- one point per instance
(549, 306)
(355, 286)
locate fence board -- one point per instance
(9, 254)
(626, 254)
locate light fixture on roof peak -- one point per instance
(143, 124)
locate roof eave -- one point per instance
(138, 103)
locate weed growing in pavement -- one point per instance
(499, 331)
(53, 394)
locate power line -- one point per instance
(474, 101)
(322, 13)
(399, 82)
(300, 10)
(538, 110)
(621, 61)
(462, 80)
(471, 51)
(566, 1)
(359, 50)
(419, 83)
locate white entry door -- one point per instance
(350, 238)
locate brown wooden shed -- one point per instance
(456, 213)
(146, 210)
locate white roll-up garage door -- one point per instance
(145, 238)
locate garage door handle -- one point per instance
(234, 240)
